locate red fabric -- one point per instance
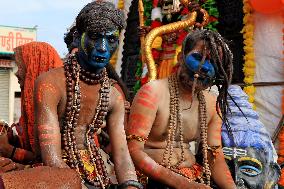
(156, 23)
(191, 173)
(184, 11)
(37, 57)
(155, 3)
(144, 80)
(156, 54)
(182, 34)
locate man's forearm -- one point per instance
(155, 171)
(54, 162)
(125, 171)
(24, 156)
(221, 173)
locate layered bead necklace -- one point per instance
(176, 127)
(73, 74)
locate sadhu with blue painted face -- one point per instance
(168, 114)
(77, 103)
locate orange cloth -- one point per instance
(192, 173)
(165, 68)
(37, 57)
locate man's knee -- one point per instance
(42, 177)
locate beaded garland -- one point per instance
(175, 126)
(73, 74)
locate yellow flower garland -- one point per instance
(249, 64)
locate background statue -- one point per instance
(250, 154)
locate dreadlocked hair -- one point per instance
(71, 38)
(99, 16)
(222, 60)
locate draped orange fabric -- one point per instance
(37, 57)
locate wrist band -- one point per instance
(13, 152)
(133, 183)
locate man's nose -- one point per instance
(204, 69)
(102, 45)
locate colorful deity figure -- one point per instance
(248, 150)
(167, 46)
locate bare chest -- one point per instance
(189, 121)
(88, 103)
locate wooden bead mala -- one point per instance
(74, 74)
(175, 127)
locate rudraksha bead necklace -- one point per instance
(73, 74)
(176, 126)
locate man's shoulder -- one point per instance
(155, 85)
(53, 75)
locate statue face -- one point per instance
(95, 51)
(169, 7)
(251, 169)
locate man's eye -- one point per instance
(197, 56)
(249, 170)
(112, 39)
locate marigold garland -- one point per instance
(249, 63)
(120, 4)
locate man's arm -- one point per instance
(219, 169)
(17, 154)
(142, 116)
(123, 165)
(47, 130)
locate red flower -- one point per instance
(184, 11)
(156, 53)
(155, 3)
(144, 80)
(182, 34)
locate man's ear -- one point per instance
(73, 51)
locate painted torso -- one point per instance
(89, 100)
(157, 139)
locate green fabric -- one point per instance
(211, 7)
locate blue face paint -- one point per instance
(206, 70)
(96, 51)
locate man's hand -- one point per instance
(7, 165)
(5, 147)
(143, 30)
(192, 185)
